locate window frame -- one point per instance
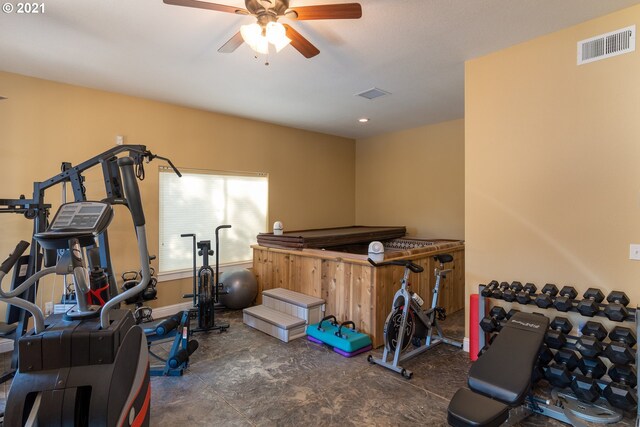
(227, 266)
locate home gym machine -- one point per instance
(89, 366)
(408, 323)
(37, 210)
(208, 288)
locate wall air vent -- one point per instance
(373, 93)
(607, 45)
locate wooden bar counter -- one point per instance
(355, 290)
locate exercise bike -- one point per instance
(408, 323)
(208, 290)
(89, 366)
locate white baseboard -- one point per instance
(465, 344)
(6, 345)
(170, 310)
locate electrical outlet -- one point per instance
(634, 251)
(48, 308)
(119, 139)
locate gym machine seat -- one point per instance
(501, 378)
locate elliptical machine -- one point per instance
(408, 323)
(205, 295)
(90, 366)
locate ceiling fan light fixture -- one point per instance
(259, 39)
(277, 35)
(252, 35)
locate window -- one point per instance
(198, 203)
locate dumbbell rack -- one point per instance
(550, 410)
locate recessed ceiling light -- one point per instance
(363, 120)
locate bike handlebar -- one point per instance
(403, 263)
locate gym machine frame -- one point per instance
(36, 209)
(567, 405)
(429, 318)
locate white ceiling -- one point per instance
(414, 49)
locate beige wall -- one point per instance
(311, 175)
(414, 178)
(552, 163)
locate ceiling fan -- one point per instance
(267, 30)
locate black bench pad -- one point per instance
(472, 409)
(503, 372)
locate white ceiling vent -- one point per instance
(607, 45)
(373, 93)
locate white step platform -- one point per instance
(305, 307)
(275, 323)
(284, 314)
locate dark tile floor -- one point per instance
(245, 377)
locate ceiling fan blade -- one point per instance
(301, 44)
(232, 44)
(206, 5)
(326, 11)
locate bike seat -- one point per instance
(443, 258)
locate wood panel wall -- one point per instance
(352, 288)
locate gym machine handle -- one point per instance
(331, 316)
(169, 324)
(348, 322)
(10, 297)
(407, 264)
(182, 355)
(13, 258)
(131, 190)
(132, 193)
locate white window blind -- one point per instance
(198, 203)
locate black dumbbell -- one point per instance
(619, 351)
(564, 302)
(619, 392)
(487, 290)
(491, 323)
(585, 386)
(616, 310)
(590, 343)
(545, 298)
(498, 290)
(512, 312)
(524, 296)
(545, 356)
(558, 328)
(589, 305)
(509, 295)
(559, 373)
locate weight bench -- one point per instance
(501, 378)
